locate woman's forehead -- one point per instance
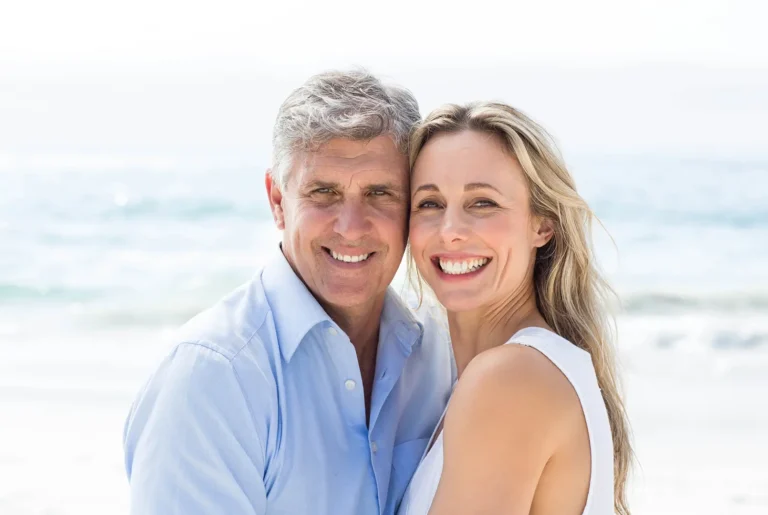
(468, 157)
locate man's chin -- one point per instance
(349, 296)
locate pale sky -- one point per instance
(174, 78)
(718, 32)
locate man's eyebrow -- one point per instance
(314, 184)
(385, 186)
(480, 185)
(426, 187)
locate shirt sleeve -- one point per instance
(191, 445)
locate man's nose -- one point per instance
(353, 222)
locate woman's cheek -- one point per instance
(497, 228)
(418, 236)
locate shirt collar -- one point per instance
(294, 308)
(296, 311)
(397, 317)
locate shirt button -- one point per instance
(374, 447)
(349, 384)
(332, 331)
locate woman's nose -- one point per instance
(454, 226)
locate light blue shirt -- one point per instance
(259, 409)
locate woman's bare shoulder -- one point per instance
(515, 384)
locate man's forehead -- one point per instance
(364, 163)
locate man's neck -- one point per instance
(361, 324)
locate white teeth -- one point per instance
(462, 267)
(349, 259)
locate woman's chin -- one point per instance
(456, 301)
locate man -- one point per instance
(312, 388)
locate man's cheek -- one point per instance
(396, 211)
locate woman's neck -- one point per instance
(473, 332)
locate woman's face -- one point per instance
(472, 233)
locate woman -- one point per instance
(497, 230)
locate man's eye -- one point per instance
(379, 193)
(323, 191)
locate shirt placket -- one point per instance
(393, 353)
(349, 380)
(350, 386)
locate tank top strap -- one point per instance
(573, 362)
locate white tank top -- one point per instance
(576, 365)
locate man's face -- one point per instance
(343, 213)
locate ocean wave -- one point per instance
(16, 293)
(716, 340)
(182, 209)
(671, 303)
(142, 318)
(698, 335)
(727, 216)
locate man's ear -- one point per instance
(275, 196)
(545, 229)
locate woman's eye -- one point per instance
(485, 203)
(427, 204)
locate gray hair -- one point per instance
(351, 105)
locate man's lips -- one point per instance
(349, 256)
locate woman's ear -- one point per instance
(545, 229)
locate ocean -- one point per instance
(99, 261)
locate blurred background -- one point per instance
(134, 137)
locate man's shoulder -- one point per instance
(229, 326)
(219, 355)
(435, 348)
(232, 337)
(431, 315)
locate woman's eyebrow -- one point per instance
(468, 187)
(480, 185)
(426, 187)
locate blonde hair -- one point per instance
(570, 292)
